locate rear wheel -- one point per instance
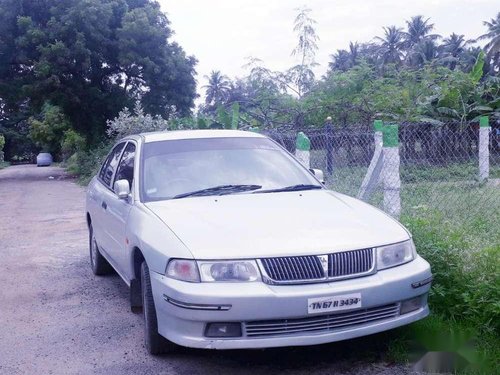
(154, 342)
(98, 263)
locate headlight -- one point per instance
(396, 254)
(183, 269)
(234, 270)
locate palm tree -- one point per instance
(452, 49)
(353, 53)
(344, 60)
(424, 52)
(391, 45)
(341, 61)
(492, 48)
(217, 89)
(418, 30)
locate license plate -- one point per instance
(334, 303)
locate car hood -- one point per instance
(276, 224)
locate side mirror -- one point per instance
(122, 189)
(319, 175)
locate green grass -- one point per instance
(455, 222)
(4, 164)
(463, 248)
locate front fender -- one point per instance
(157, 242)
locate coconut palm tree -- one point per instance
(418, 29)
(424, 52)
(341, 61)
(354, 53)
(492, 48)
(217, 89)
(452, 49)
(391, 45)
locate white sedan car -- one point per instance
(227, 241)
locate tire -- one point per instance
(155, 343)
(98, 263)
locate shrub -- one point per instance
(128, 123)
(2, 143)
(71, 143)
(466, 280)
(86, 164)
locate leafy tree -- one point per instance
(302, 75)
(48, 131)
(91, 58)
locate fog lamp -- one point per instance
(411, 305)
(223, 330)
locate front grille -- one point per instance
(321, 323)
(293, 268)
(313, 268)
(350, 262)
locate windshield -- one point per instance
(177, 168)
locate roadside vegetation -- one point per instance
(110, 84)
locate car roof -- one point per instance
(196, 134)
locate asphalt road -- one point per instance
(56, 317)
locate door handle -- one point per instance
(104, 205)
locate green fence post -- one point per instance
(303, 149)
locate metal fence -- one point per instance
(436, 169)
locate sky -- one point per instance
(222, 34)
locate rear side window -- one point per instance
(109, 166)
(126, 167)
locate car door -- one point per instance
(102, 191)
(119, 209)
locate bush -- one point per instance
(2, 143)
(128, 123)
(466, 280)
(72, 142)
(86, 164)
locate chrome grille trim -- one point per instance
(292, 269)
(309, 269)
(320, 323)
(350, 262)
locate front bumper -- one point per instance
(184, 309)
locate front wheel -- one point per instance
(98, 263)
(154, 342)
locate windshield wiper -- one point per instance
(218, 190)
(292, 188)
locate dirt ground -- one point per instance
(56, 317)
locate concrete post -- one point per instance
(390, 170)
(329, 145)
(303, 149)
(484, 149)
(372, 176)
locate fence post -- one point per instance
(390, 170)
(484, 149)
(372, 176)
(329, 145)
(303, 149)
